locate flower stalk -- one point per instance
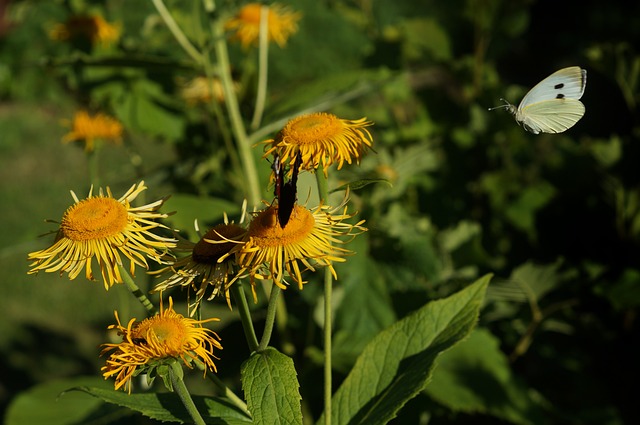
(177, 381)
(136, 291)
(328, 290)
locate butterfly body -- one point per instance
(553, 105)
(286, 192)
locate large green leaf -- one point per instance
(398, 363)
(475, 376)
(48, 403)
(270, 384)
(168, 407)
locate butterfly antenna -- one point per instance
(506, 105)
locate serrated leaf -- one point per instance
(474, 376)
(168, 407)
(270, 385)
(398, 363)
(45, 403)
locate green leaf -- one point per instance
(537, 280)
(143, 107)
(398, 363)
(474, 376)
(270, 384)
(48, 403)
(624, 293)
(168, 407)
(532, 198)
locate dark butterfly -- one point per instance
(286, 193)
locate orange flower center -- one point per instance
(250, 14)
(312, 128)
(94, 218)
(266, 232)
(208, 253)
(169, 332)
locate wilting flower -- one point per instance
(106, 229)
(308, 240)
(208, 265)
(167, 335)
(202, 90)
(281, 24)
(89, 128)
(91, 27)
(321, 138)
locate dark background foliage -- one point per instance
(554, 217)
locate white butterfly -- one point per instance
(553, 105)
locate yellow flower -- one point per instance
(202, 90)
(165, 335)
(92, 27)
(281, 24)
(308, 240)
(90, 127)
(106, 229)
(208, 264)
(321, 139)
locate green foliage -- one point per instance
(450, 192)
(271, 388)
(399, 361)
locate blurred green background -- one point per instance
(556, 218)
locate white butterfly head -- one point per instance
(509, 107)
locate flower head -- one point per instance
(308, 240)
(281, 24)
(91, 27)
(202, 90)
(208, 265)
(321, 138)
(106, 229)
(166, 335)
(88, 128)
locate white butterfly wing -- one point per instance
(567, 83)
(550, 116)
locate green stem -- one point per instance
(135, 290)
(245, 316)
(263, 67)
(180, 388)
(237, 401)
(271, 316)
(328, 289)
(237, 125)
(176, 31)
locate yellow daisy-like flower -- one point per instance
(202, 90)
(165, 335)
(309, 239)
(281, 24)
(88, 128)
(321, 138)
(208, 264)
(106, 229)
(92, 27)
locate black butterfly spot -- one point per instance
(560, 96)
(558, 86)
